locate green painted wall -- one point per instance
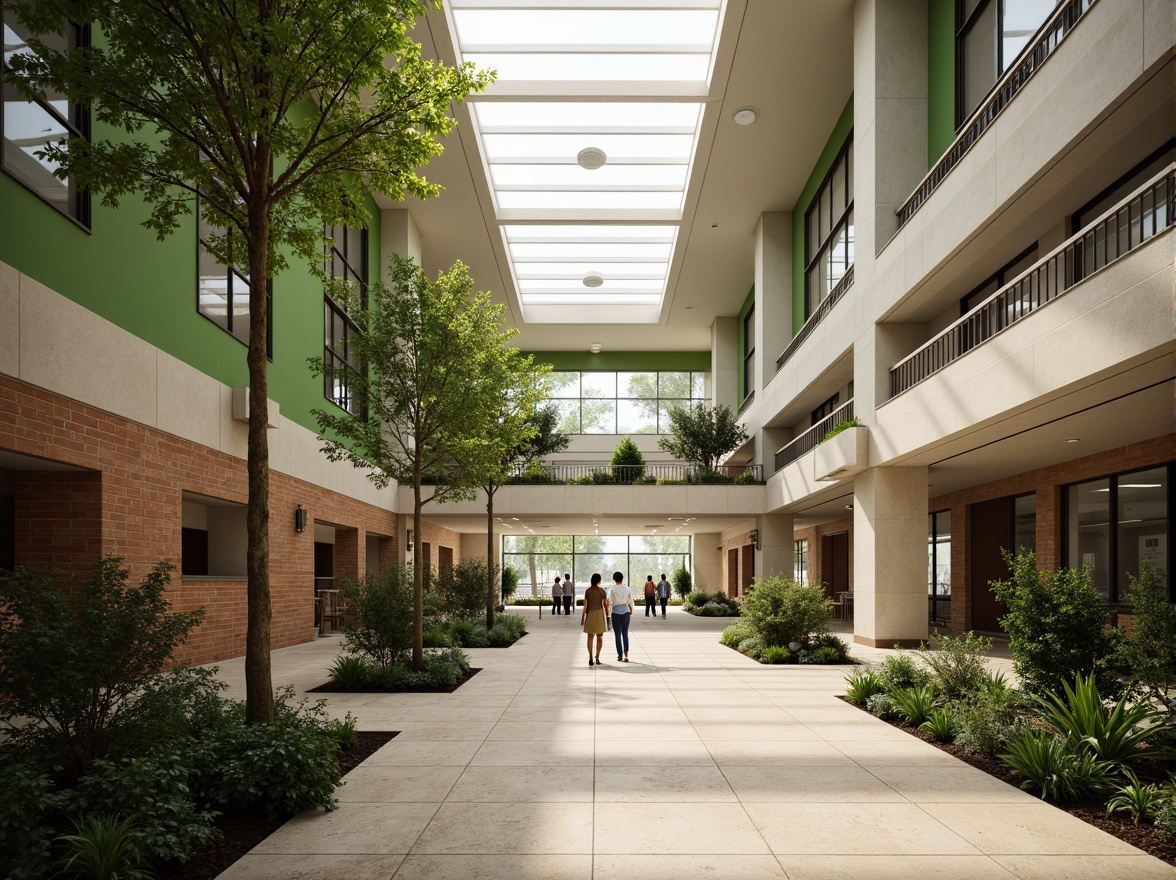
(940, 78)
(832, 147)
(748, 304)
(625, 360)
(148, 287)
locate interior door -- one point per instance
(992, 532)
(733, 572)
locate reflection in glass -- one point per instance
(636, 384)
(598, 416)
(596, 385)
(636, 416)
(1088, 515)
(1141, 511)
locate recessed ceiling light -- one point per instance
(1074, 440)
(689, 308)
(593, 279)
(594, 348)
(591, 158)
(746, 115)
(849, 507)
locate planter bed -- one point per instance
(331, 688)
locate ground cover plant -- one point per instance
(786, 622)
(716, 604)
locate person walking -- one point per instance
(620, 601)
(650, 596)
(569, 595)
(593, 618)
(663, 594)
(556, 596)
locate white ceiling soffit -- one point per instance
(588, 181)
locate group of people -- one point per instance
(600, 605)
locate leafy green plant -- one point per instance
(776, 655)
(702, 434)
(469, 633)
(102, 848)
(350, 673)
(345, 730)
(990, 721)
(1164, 811)
(462, 588)
(1057, 625)
(882, 705)
(902, 670)
(957, 663)
(1053, 770)
(736, 632)
(861, 684)
(829, 648)
(510, 582)
(782, 611)
(841, 426)
(940, 725)
(379, 624)
(628, 464)
(29, 812)
(915, 704)
(1138, 800)
(1148, 656)
(752, 646)
(1121, 735)
(77, 662)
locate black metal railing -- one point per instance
(811, 438)
(825, 307)
(1138, 218)
(629, 474)
(1049, 37)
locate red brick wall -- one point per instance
(738, 542)
(437, 537)
(817, 572)
(130, 504)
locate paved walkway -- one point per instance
(690, 761)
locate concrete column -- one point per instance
(706, 553)
(890, 556)
(774, 555)
(773, 292)
(398, 235)
(725, 362)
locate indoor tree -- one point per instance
(276, 114)
(702, 434)
(437, 362)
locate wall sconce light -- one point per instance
(410, 537)
(753, 538)
(300, 518)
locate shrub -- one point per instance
(830, 649)
(1120, 736)
(782, 611)
(29, 811)
(436, 635)
(102, 848)
(515, 624)
(76, 663)
(682, 581)
(1057, 626)
(510, 582)
(442, 669)
(735, 633)
(381, 608)
(863, 683)
(277, 768)
(345, 731)
(841, 426)
(915, 704)
(468, 633)
(151, 792)
(882, 705)
(747, 478)
(901, 670)
(1164, 812)
(1053, 770)
(988, 722)
(940, 725)
(628, 464)
(752, 646)
(1137, 800)
(349, 673)
(957, 663)
(776, 655)
(462, 588)
(1148, 657)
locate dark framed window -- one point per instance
(976, 331)
(939, 567)
(1124, 186)
(1116, 522)
(826, 409)
(30, 126)
(828, 231)
(800, 561)
(625, 401)
(347, 261)
(990, 34)
(222, 290)
(749, 354)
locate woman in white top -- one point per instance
(620, 600)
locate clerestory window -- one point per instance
(828, 231)
(347, 261)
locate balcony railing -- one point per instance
(817, 317)
(811, 438)
(625, 474)
(1141, 216)
(1048, 38)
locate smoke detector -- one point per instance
(593, 279)
(591, 158)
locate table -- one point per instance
(844, 600)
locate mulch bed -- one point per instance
(1094, 812)
(332, 688)
(239, 834)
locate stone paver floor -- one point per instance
(689, 761)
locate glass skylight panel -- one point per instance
(591, 299)
(579, 270)
(508, 29)
(592, 116)
(591, 201)
(563, 148)
(594, 67)
(573, 177)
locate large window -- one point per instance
(1114, 523)
(828, 231)
(939, 567)
(624, 402)
(222, 290)
(348, 263)
(30, 126)
(990, 34)
(539, 559)
(800, 561)
(749, 354)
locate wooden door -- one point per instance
(835, 563)
(992, 532)
(748, 566)
(733, 573)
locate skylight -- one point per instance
(601, 161)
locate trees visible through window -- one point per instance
(31, 126)
(828, 231)
(624, 402)
(939, 567)
(800, 561)
(539, 559)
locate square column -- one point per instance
(890, 556)
(774, 553)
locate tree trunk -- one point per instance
(418, 578)
(490, 591)
(258, 684)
